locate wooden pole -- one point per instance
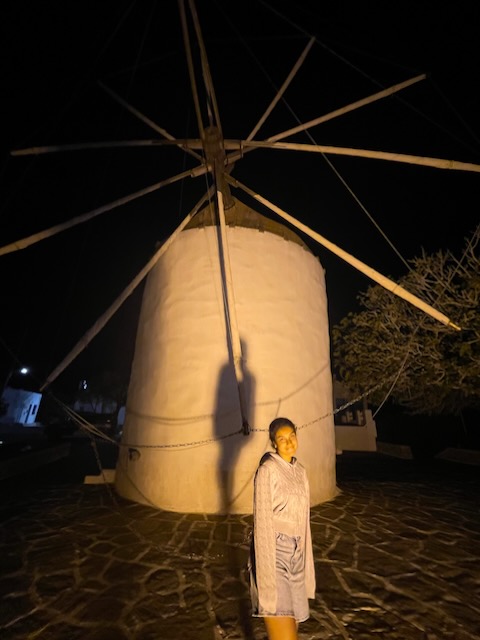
(105, 317)
(185, 144)
(196, 143)
(143, 118)
(350, 107)
(334, 114)
(231, 314)
(282, 89)
(191, 72)
(360, 266)
(213, 112)
(48, 233)
(425, 161)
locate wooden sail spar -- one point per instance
(215, 160)
(169, 139)
(23, 243)
(354, 262)
(105, 317)
(239, 148)
(243, 145)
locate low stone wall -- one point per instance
(106, 477)
(464, 456)
(395, 450)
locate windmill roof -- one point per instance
(240, 215)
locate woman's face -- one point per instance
(286, 443)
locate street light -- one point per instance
(23, 370)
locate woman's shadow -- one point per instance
(228, 419)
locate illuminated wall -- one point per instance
(178, 453)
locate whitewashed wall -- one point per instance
(183, 390)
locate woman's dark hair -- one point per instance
(277, 424)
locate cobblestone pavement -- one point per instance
(397, 556)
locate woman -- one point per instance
(281, 563)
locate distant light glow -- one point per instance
(24, 370)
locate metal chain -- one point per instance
(196, 443)
(95, 433)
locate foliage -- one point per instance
(428, 367)
(106, 385)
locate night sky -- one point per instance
(56, 57)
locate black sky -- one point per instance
(54, 56)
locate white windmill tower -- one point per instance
(234, 327)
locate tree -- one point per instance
(105, 386)
(427, 367)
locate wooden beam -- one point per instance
(354, 262)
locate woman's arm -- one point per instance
(309, 562)
(264, 540)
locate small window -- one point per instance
(352, 416)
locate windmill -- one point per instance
(193, 444)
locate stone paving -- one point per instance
(396, 553)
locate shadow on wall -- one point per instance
(231, 448)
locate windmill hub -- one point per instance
(213, 147)
(215, 157)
